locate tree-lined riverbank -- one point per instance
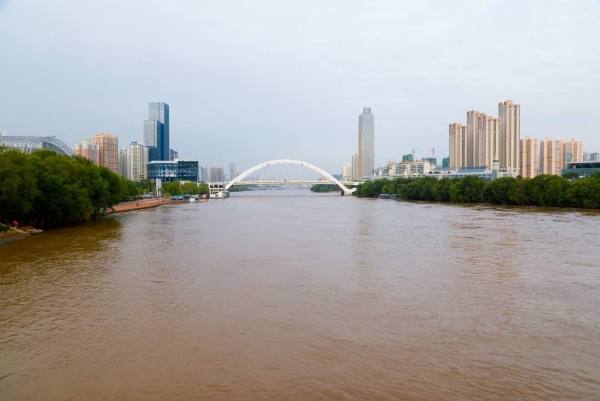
(47, 189)
(543, 190)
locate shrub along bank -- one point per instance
(543, 190)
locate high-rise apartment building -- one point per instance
(509, 154)
(594, 157)
(156, 131)
(473, 138)
(572, 152)
(173, 154)
(529, 157)
(458, 145)
(366, 143)
(86, 148)
(232, 173)
(108, 151)
(124, 163)
(487, 139)
(551, 156)
(138, 161)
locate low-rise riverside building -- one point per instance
(175, 170)
(582, 168)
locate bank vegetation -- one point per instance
(543, 190)
(47, 189)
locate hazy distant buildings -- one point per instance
(88, 149)
(354, 164)
(204, 174)
(409, 158)
(108, 150)
(124, 163)
(156, 131)
(216, 174)
(529, 157)
(173, 154)
(366, 143)
(594, 157)
(231, 171)
(347, 172)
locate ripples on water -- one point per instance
(285, 295)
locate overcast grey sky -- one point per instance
(250, 81)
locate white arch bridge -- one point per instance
(239, 179)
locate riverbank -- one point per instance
(138, 205)
(15, 234)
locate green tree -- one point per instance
(190, 188)
(174, 188)
(203, 189)
(18, 185)
(500, 190)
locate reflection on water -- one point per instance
(291, 295)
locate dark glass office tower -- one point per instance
(156, 130)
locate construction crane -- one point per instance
(413, 152)
(433, 153)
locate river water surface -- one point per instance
(289, 295)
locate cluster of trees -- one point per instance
(543, 190)
(190, 188)
(324, 188)
(48, 189)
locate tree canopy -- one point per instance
(47, 189)
(543, 190)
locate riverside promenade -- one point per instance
(137, 205)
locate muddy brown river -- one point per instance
(290, 295)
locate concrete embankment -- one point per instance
(138, 205)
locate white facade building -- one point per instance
(366, 143)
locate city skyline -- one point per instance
(300, 69)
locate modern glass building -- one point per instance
(366, 143)
(160, 112)
(28, 144)
(156, 131)
(582, 168)
(176, 170)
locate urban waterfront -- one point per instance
(286, 295)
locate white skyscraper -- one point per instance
(138, 159)
(366, 143)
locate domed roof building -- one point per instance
(27, 144)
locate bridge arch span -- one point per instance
(289, 161)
